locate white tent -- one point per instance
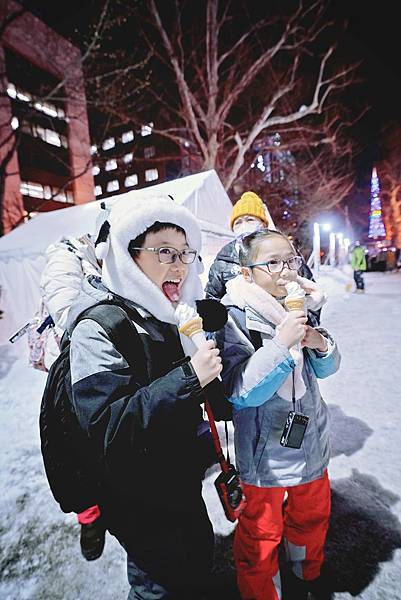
(22, 250)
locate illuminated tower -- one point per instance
(376, 225)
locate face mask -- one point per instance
(247, 226)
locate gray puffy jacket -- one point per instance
(260, 413)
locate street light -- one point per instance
(333, 237)
(316, 243)
(316, 247)
(332, 250)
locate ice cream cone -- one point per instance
(191, 327)
(295, 304)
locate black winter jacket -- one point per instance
(145, 436)
(224, 268)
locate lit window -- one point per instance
(45, 107)
(34, 190)
(131, 180)
(146, 129)
(109, 143)
(52, 137)
(14, 123)
(11, 91)
(149, 152)
(48, 109)
(151, 174)
(98, 190)
(47, 135)
(59, 195)
(113, 185)
(260, 164)
(24, 96)
(62, 195)
(93, 149)
(111, 165)
(128, 158)
(95, 170)
(127, 136)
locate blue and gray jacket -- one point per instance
(252, 379)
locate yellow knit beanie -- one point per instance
(249, 204)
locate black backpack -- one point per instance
(70, 465)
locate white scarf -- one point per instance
(253, 299)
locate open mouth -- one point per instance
(171, 289)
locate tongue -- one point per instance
(171, 291)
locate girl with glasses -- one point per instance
(269, 371)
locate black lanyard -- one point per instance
(293, 390)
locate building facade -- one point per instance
(134, 157)
(45, 159)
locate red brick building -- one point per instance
(45, 160)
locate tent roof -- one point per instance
(202, 193)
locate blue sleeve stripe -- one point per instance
(324, 366)
(266, 388)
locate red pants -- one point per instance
(303, 520)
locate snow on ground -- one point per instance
(364, 544)
(39, 545)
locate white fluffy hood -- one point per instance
(129, 218)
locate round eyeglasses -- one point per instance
(276, 266)
(167, 255)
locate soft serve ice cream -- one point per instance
(189, 322)
(295, 299)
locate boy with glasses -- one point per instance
(144, 435)
(271, 376)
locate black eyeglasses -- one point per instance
(167, 255)
(276, 266)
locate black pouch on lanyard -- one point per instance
(295, 425)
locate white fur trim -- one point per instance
(248, 294)
(129, 218)
(101, 249)
(101, 217)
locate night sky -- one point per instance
(372, 36)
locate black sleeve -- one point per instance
(216, 287)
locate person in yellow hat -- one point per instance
(249, 213)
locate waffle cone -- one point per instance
(191, 327)
(295, 304)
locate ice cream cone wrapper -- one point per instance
(295, 304)
(192, 327)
